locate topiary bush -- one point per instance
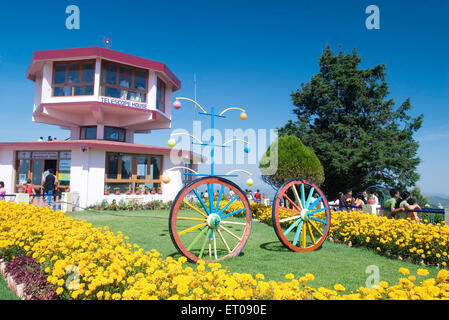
(294, 160)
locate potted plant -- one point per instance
(128, 191)
(138, 190)
(67, 189)
(159, 191)
(152, 191)
(147, 190)
(117, 190)
(106, 191)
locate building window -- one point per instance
(88, 133)
(132, 172)
(74, 78)
(160, 95)
(33, 166)
(114, 134)
(124, 82)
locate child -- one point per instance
(413, 205)
(30, 190)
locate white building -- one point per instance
(103, 97)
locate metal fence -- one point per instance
(41, 200)
(432, 215)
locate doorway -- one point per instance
(50, 164)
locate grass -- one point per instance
(263, 253)
(5, 293)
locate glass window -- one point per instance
(60, 72)
(88, 133)
(110, 74)
(88, 72)
(127, 165)
(65, 155)
(62, 91)
(140, 80)
(155, 169)
(142, 167)
(67, 79)
(111, 92)
(23, 171)
(128, 78)
(74, 73)
(83, 90)
(38, 170)
(115, 134)
(133, 172)
(125, 77)
(24, 155)
(112, 163)
(160, 95)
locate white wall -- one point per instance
(7, 170)
(87, 176)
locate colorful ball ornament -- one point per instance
(249, 182)
(246, 149)
(243, 116)
(171, 142)
(165, 179)
(177, 104)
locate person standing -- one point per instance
(30, 190)
(347, 200)
(257, 196)
(390, 205)
(358, 202)
(50, 186)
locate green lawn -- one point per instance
(5, 293)
(263, 253)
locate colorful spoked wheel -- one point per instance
(301, 216)
(210, 228)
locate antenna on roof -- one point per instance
(107, 42)
(194, 90)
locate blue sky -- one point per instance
(244, 53)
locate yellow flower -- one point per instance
(59, 290)
(339, 287)
(289, 276)
(404, 271)
(422, 272)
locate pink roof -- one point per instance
(93, 144)
(104, 53)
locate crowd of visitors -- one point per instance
(399, 205)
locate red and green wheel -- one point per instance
(301, 215)
(210, 228)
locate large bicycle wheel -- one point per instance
(210, 228)
(300, 215)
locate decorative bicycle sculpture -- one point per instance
(202, 229)
(300, 204)
(199, 227)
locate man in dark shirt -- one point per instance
(347, 199)
(49, 186)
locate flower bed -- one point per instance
(417, 242)
(84, 262)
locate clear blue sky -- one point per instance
(245, 53)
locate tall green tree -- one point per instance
(345, 115)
